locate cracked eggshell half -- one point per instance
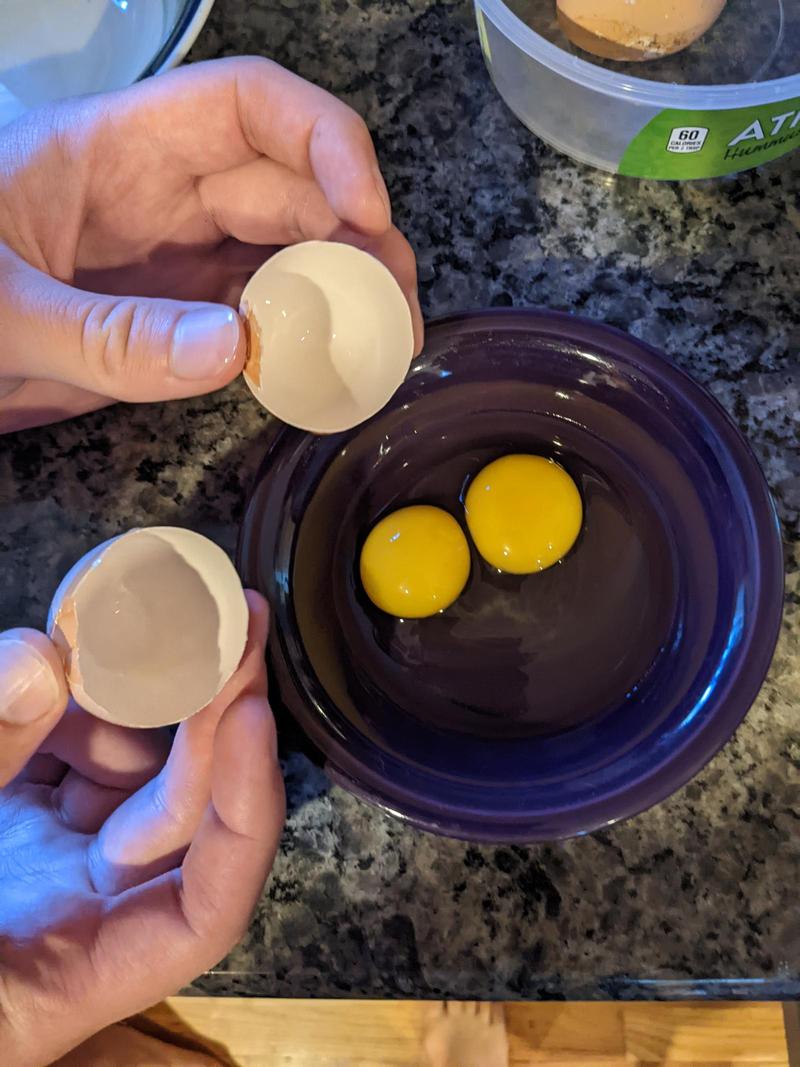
(636, 29)
(150, 626)
(329, 334)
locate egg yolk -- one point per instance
(415, 562)
(524, 513)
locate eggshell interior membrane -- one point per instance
(636, 29)
(151, 625)
(330, 336)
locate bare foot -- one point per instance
(466, 1035)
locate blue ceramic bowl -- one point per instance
(549, 705)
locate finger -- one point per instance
(107, 754)
(33, 695)
(126, 348)
(150, 831)
(107, 763)
(165, 933)
(248, 107)
(239, 836)
(295, 210)
(83, 805)
(42, 770)
(265, 203)
(394, 251)
(182, 273)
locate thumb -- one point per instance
(127, 348)
(33, 696)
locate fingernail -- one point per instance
(204, 343)
(28, 688)
(383, 192)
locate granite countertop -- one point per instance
(695, 897)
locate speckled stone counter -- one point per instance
(696, 897)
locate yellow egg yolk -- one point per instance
(524, 513)
(415, 562)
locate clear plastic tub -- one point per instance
(729, 102)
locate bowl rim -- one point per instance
(180, 39)
(704, 741)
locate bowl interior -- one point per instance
(547, 703)
(751, 41)
(51, 51)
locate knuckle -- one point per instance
(175, 814)
(256, 65)
(342, 123)
(200, 908)
(107, 328)
(162, 807)
(98, 870)
(357, 128)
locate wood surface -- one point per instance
(326, 1033)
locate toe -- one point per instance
(434, 1011)
(498, 1015)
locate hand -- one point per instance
(164, 193)
(126, 868)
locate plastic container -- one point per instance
(729, 102)
(50, 51)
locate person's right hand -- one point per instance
(128, 222)
(126, 868)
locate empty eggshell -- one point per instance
(636, 29)
(330, 336)
(150, 625)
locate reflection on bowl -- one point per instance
(51, 51)
(543, 705)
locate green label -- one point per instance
(681, 145)
(484, 36)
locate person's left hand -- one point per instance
(128, 220)
(126, 868)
